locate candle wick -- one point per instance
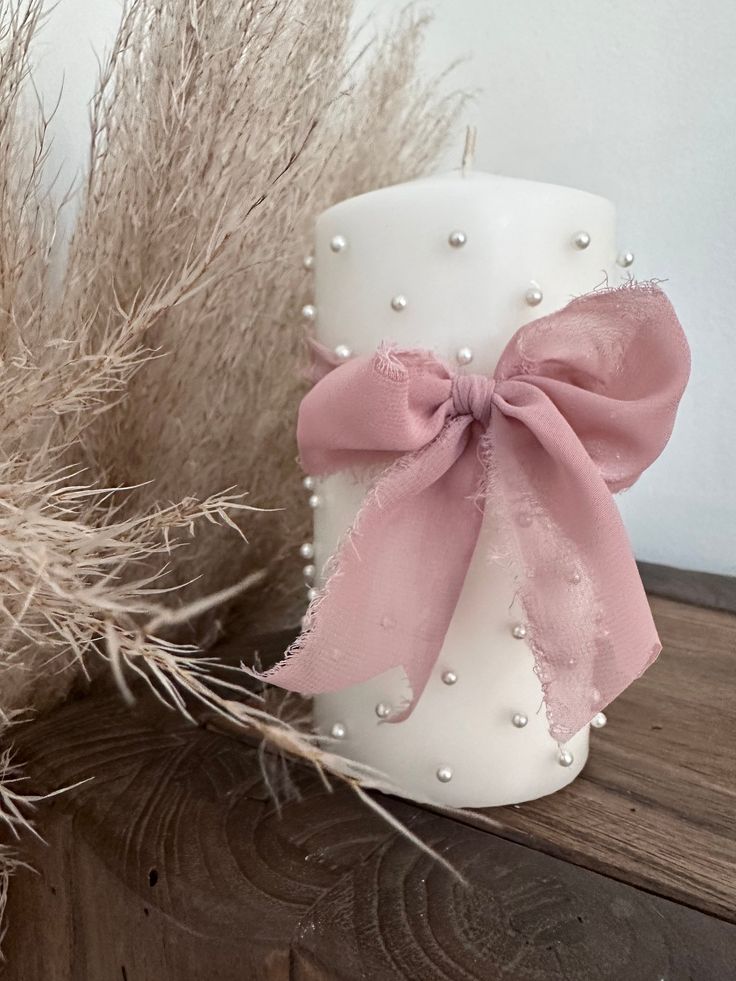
(469, 149)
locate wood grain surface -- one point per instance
(656, 803)
(173, 854)
(173, 863)
(522, 916)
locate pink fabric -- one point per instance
(580, 403)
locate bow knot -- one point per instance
(580, 402)
(472, 395)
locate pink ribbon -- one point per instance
(580, 403)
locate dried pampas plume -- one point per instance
(255, 137)
(163, 365)
(72, 567)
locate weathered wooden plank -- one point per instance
(524, 917)
(687, 586)
(172, 862)
(174, 865)
(656, 804)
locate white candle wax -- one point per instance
(385, 269)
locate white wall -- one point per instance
(66, 52)
(635, 101)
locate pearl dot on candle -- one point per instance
(449, 677)
(457, 239)
(306, 550)
(309, 483)
(398, 303)
(519, 631)
(519, 720)
(598, 720)
(311, 594)
(444, 774)
(315, 500)
(565, 758)
(343, 352)
(309, 571)
(338, 243)
(464, 355)
(309, 311)
(625, 259)
(534, 296)
(383, 710)
(581, 240)
(338, 731)
(309, 262)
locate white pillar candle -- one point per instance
(455, 264)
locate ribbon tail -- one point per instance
(588, 620)
(396, 576)
(601, 637)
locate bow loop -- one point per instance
(472, 395)
(581, 402)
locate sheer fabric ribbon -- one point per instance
(580, 403)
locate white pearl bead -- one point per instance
(338, 731)
(598, 720)
(383, 710)
(309, 571)
(338, 243)
(309, 262)
(315, 500)
(519, 631)
(398, 303)
(464, 355)
(444, 774)
(457, 239)
(519, 720)
(312, 594)
(449, 677)
(306, 550)
(534, 296)
(309, 311)
(309, 483)
(565, 758)
(581, 240)
(625, 259)
(343, 352)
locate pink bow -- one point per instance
(581, 402)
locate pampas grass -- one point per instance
(151, 370)
(255, 136)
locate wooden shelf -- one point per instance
(173, 863)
